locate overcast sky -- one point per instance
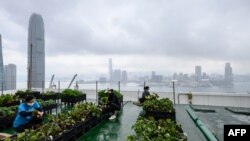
(140, 35)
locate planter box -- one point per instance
(86, 126)
(161, 115)
(6, 122)
(14, 103)
(50, 107)
(79, 128)
(58, 138)
(69, 135)
(49, 97)
(74, 99)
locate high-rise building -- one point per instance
(117, 75)
(10, 76)
(198, 72)
(1, 67)
(228, 74)
(124, 76)
(156, 78)
(36, 52)
(110, 69)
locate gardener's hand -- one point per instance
(40, 114)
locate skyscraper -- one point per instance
(124, 76)
(110, 69)
(10, 76)
(1, 67)
(198, 75)
(117, 75)
(36, 52)
(228, 74)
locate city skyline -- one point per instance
(207, 36)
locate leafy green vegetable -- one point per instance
(164, 105)
(156, 130)
(71, 93)
(46, 103)
(8, 111)
(6, 99)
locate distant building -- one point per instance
(110, 69)
(124, 76)
(198, 75)
(103, 79)
(36, 52)
(10, 76)
(228, 77)
(117, 75)
(1, 67)
(156, 78)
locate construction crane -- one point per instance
(51, 81)
(72, 81)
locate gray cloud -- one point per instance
(177, 28)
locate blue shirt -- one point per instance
(20, 120)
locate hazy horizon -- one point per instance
(141, 36)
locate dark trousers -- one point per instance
(112, 107)
(34, 121)
(141, 100)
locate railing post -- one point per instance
(174, 92)
(138, 94)
(43, 86)
(96, 92)
(59, 86)
(119, 86)
(2, 87)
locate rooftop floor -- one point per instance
(215, 121)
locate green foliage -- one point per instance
(8, 111)
(34, 113)
(46, 103)
(104, 101)
(152, 96)
(63, 120)
(156, 130)
(71, 93)
(164, 105)
(104, 93)
(7, 99)
(49, 93)
(80, 112)
(40, 134)
(103, 96)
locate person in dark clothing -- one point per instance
(113, 103)
(25, 117)
(144, 94)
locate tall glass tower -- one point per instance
(36, 52)
(110, 70)
(2, 86)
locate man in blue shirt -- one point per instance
(29, 114)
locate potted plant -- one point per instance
(190, 96)
(159, 108)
